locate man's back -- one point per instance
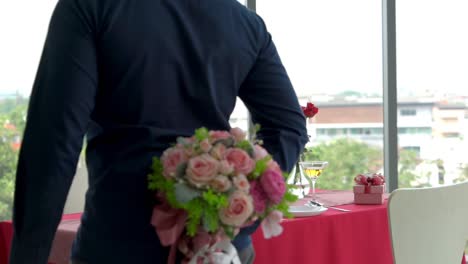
(173, 64)
(134, 75)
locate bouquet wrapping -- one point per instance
(209, 186)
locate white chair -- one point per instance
(429, 225)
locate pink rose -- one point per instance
(240, 160)
(273, 184)
(218, 135)
(238, 134)
(259, 196)
(361, 179)
(239, 209)
(171, 158)
(218, 151)
(225, 167)
(221, 183)
(259, 152)
(202, 169)
(241, 182)
(205, 145)
(272, 165)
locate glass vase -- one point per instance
(299, 182)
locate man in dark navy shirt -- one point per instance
(132, 75)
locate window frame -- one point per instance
(390, 112)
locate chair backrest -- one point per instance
(429, 225)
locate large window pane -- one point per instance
(240, 115)
(432, 62)
(24, 26)
(333, 53)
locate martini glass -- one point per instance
(312, 170)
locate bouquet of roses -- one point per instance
(212, 184)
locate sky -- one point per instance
(327, 46)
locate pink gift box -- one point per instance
(368, 194)
(368, 189)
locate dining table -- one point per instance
(359, 235)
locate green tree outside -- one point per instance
(408, 160)
(12, 123)
(348, 158)
(463, 175)
(8, 161)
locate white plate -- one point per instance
(303, 210)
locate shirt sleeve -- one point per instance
(270, 98)
(268, 94)
(62, 99)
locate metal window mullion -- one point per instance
(390, 94)
(252, 5)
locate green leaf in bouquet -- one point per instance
(287, 214)
(171, 198)
(215, 200)
(247, 146)
(153, 184)
(184, 193)
(290, 197)
(229, 231)
(156, 179)
(282, 206)
(253, 132)
(195, 211)
(260, 166)
(210, 219)
(157, 182)
(201, 133)
(157, 166)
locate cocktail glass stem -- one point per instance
(314, 198)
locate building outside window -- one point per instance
(408, 112)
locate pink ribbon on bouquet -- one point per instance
(169, 224)
(208, 248)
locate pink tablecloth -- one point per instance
(360, 236)
(357, 237)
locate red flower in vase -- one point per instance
(310, 110)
